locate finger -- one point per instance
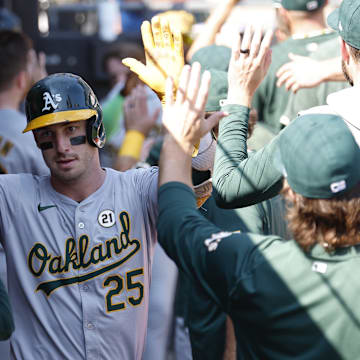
(147, 36)
(135, 66)
(246, 41)
(169, 90)
(289, 83)
(166, 34)
(178, 43)
(283, 78)
(265, 44)
(156, 29)
(235, 51)
(256, 42)
(283, 69)
(203, 91)
(183, 84)
(295, 88)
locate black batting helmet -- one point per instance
(65, 97)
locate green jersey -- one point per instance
(269, 100)
(284, 303)
(205, 320)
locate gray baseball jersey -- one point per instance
(18, 154)
(79, 273)
(18, 151)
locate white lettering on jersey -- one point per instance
(49, 100)
(319, 267)
(106, 218)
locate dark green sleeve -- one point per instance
(240, 180)
(196, 246)
(6, 320)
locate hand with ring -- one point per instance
(249, 63)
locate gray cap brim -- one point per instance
(333, 19)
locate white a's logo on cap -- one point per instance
(49, 101)
(338, 186)
(312, 5)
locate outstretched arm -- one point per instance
(241, 180)
(138, 124)
(304, 72)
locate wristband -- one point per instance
(132, 144)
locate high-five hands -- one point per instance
(250, 61)
(184, 117)
(164, 55)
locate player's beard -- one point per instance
(346, 73)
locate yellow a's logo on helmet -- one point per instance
(49, 101)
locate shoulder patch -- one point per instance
(213, 242)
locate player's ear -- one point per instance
(345, 54)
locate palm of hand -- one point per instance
(161, 63)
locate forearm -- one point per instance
(212, 26)
(130, 150)
(240, 180)
(175, 163)
(6, 320)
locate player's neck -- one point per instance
(82, 187)
(307, 26)
(10, 100)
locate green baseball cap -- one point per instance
(346, 21)
(318, 156)
(300, 5)
(213, 57)
(218, 90)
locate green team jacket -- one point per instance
(205, 320)
(6, 319)
(285, 304)
(240, 179)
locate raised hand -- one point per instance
(249, 63)
(164, 55)
(137, 115)
(300, 72)
(184, 118)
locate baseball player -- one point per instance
(79, 242)
(281, 295)
(18, 153)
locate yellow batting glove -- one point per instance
(164, 53)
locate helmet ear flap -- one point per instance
(95, 132)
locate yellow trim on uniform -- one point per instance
(59, 117)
